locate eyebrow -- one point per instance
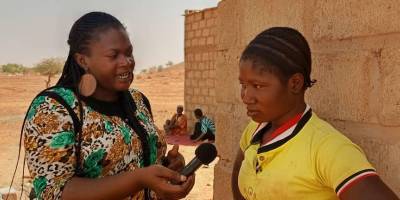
(130, 47)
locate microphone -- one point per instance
(205, 153)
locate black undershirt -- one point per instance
(109, 108)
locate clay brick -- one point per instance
(202, 24)
(390, 113)
(343, 19)
(210, 40)
(343, 91)
(206, 32)
(210, 22)
(195, 26)
(202, 41)
(198, 33)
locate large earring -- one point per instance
(87, 84)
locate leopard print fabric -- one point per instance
(108, 146)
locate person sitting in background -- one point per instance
(204, 128)
(177, 125)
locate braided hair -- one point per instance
(83, 31)
(281, 50)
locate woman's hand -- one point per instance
(159, 179)
(175, 159)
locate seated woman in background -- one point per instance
(287, 151)
(204, 128)
(177, 125)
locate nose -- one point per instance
(247, 95)
(127, 61)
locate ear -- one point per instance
(81, 59)
(296, 83)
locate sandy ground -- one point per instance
(164, 90)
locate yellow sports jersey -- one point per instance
(311, 160)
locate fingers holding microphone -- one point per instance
(158, 178)
(170, 184)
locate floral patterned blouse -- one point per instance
(108, 145)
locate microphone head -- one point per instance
(206, 153)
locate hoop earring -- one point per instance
(87, 84)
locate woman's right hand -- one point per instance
(160, 179)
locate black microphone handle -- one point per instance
(191, 167)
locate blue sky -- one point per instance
(31, 30)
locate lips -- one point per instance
(252, 112)
(125, 76)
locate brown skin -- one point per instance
(111, 55)
(175, 159)
(122, 185)
(235, 175)
(269, 99)
(369, 188)
(179, 111)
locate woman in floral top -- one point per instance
(90, 137)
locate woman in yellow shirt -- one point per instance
(287, 152)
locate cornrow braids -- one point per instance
(281, 50)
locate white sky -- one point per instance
(31, 30)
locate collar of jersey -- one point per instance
(283, 137)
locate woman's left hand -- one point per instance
(175, 159)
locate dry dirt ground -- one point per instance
(164, 90)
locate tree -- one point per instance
(152, 69)
(49, 67)
(159, 68)
(169, 63)
(13, 68)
